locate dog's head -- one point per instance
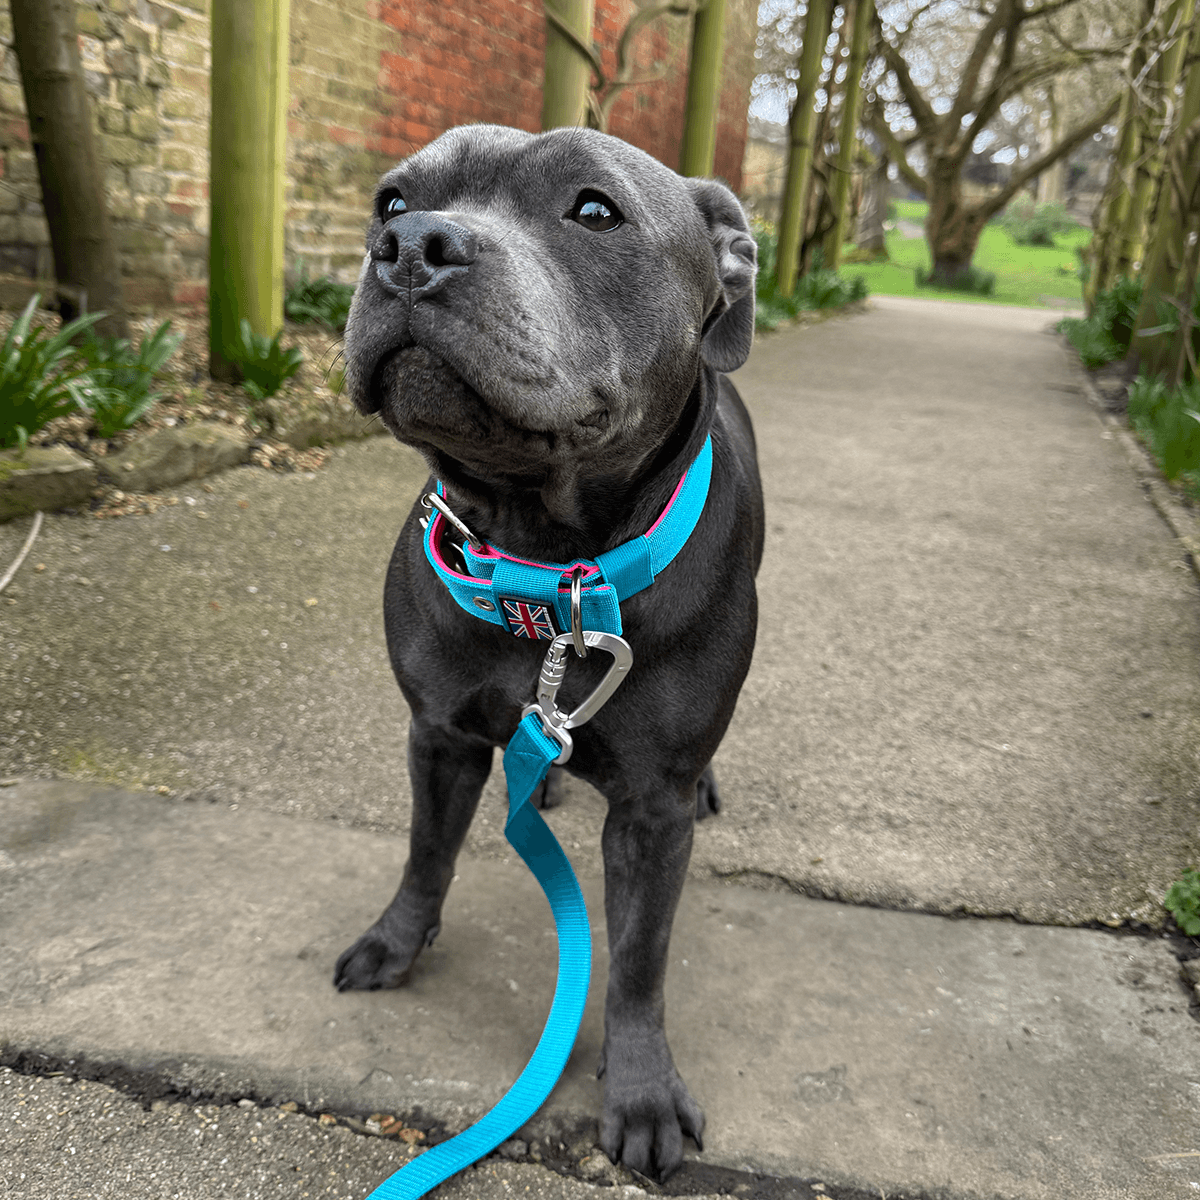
(528, 300)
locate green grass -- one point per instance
(1023, 273)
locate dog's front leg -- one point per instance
(647, 1107)
(448, 770)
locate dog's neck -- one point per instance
(571, 513)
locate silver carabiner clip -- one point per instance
(432, 500)
(554, 667)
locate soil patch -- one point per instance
(287, 432)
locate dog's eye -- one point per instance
(596, 212)
(391, 204)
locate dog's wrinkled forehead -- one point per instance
(492, 166)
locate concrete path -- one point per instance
(977, 689)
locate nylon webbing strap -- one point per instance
(526, 761)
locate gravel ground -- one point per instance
(68, 1139)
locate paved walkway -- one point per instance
(976, 690)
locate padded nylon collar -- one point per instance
(532, 599)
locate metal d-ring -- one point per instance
(577, 612)
(433, 500)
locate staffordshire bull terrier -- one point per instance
(546, 318)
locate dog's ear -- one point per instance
(729, 326)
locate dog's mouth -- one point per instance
(426, 403)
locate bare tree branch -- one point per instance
(1083, 131)
(1014, 12)
(964, 102)
(922, 111)
(1048, 10)
(895, 150)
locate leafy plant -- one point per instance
(319, 300)
(1030, 224)
(974, 281)
(41, 376)
(1183, 902)
(124, 376)
(264, 363)
(1168, 420)
(1104, 336)
(817, 289)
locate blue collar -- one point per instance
(533, 600)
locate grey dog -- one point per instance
(546, 319)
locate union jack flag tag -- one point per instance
(527, 620)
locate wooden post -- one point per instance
(864, 11)
(800, 148)
(248, 146)
(704, 90)
(568, 72)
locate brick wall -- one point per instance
(370, 81)
(146, 67)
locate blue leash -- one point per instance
(526, 761)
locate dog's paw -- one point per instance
(708, 796)
(551, 792)
(381, 958)
(648, 1109)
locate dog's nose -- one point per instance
(417, 253)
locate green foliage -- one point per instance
(1168, 420)
(1167, 315)
(975, 281)
(1183, 902)
(125, 377)
(818, 289)
(1030, 224)
(264, 363)
(1104, 336)
(41, 376)
(319, 300)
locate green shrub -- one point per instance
(1030, 224)
(1167, 319)
(41, 376)
(1183, 902)
(1104, 336)
(1168, 420)
(319, 300)
(818, 289)
(973, 281)
(125, 377)
(264, 363)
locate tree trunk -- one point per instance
(248, 135)
(952, 228)
(69, 170)
(869, 233)
(1175, 23)
(1179, 214)
(864, 11)
(1050, 189)
(794, 210)
(568, 72)
(703, 90)
(1114, 204)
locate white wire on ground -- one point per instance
(37, 524)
